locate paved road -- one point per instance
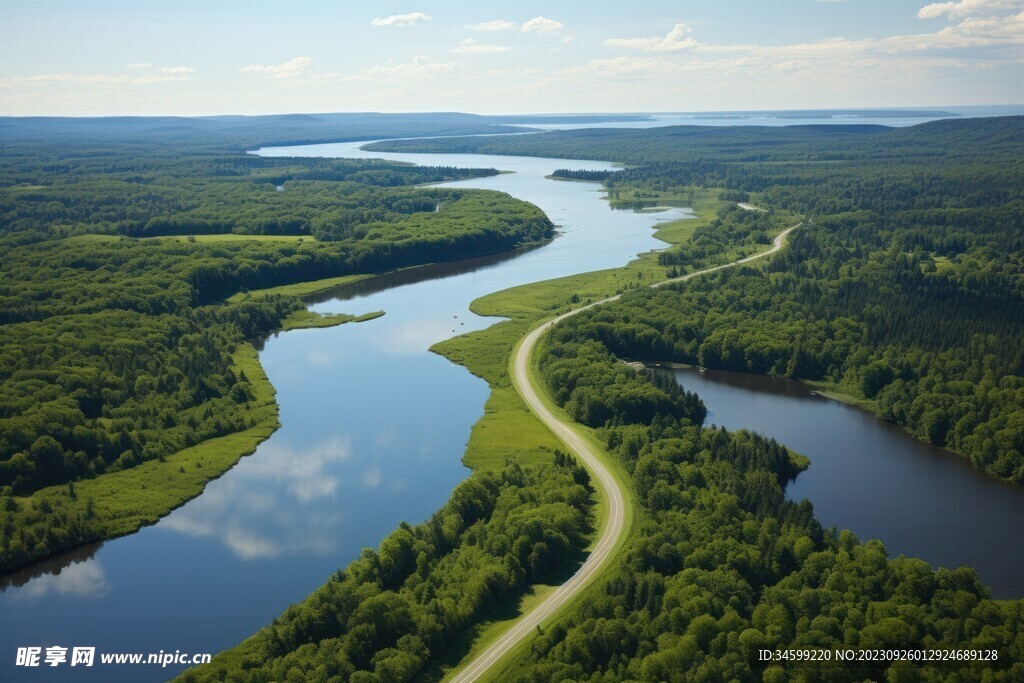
(615, 525)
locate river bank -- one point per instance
(364, 444)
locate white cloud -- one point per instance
(966, 8)
(818, 67)
(419, 66)
(401, 19)
(470, 46)
(98, 79)
(496, 25)
(176, 69)
(677, 39)
(971, 51)
(993, 32)
(973, 32)
(372, 477)
(567, 39)
(293, 68)
(542, 25)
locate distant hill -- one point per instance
(244, 132)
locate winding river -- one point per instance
(373, 431)
(374, 426)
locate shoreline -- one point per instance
(216, 456)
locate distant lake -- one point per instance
(797, 118)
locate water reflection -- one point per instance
(253, 513)
(80, 579)
(48, 571)
(409, 276)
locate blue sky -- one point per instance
(214, 57)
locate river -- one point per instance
(373, 430)
(876, 480)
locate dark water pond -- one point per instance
(878, 481)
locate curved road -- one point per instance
(615, 524)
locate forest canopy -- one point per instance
(902, 284)
(117, 337)
(904, 287)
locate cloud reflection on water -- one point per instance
(82, 579)
(254, 512)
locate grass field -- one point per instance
(24, 187)
(508, 431)
(838, 392)
(89, 239)
(209, 239)
(302, 289)
(306, 318)
(232, 237)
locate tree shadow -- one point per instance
(52, 566)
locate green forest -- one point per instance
(395, 612)
(721, 565)
(901, 287)
(126, 317)
(117, 338)
(902, 290)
